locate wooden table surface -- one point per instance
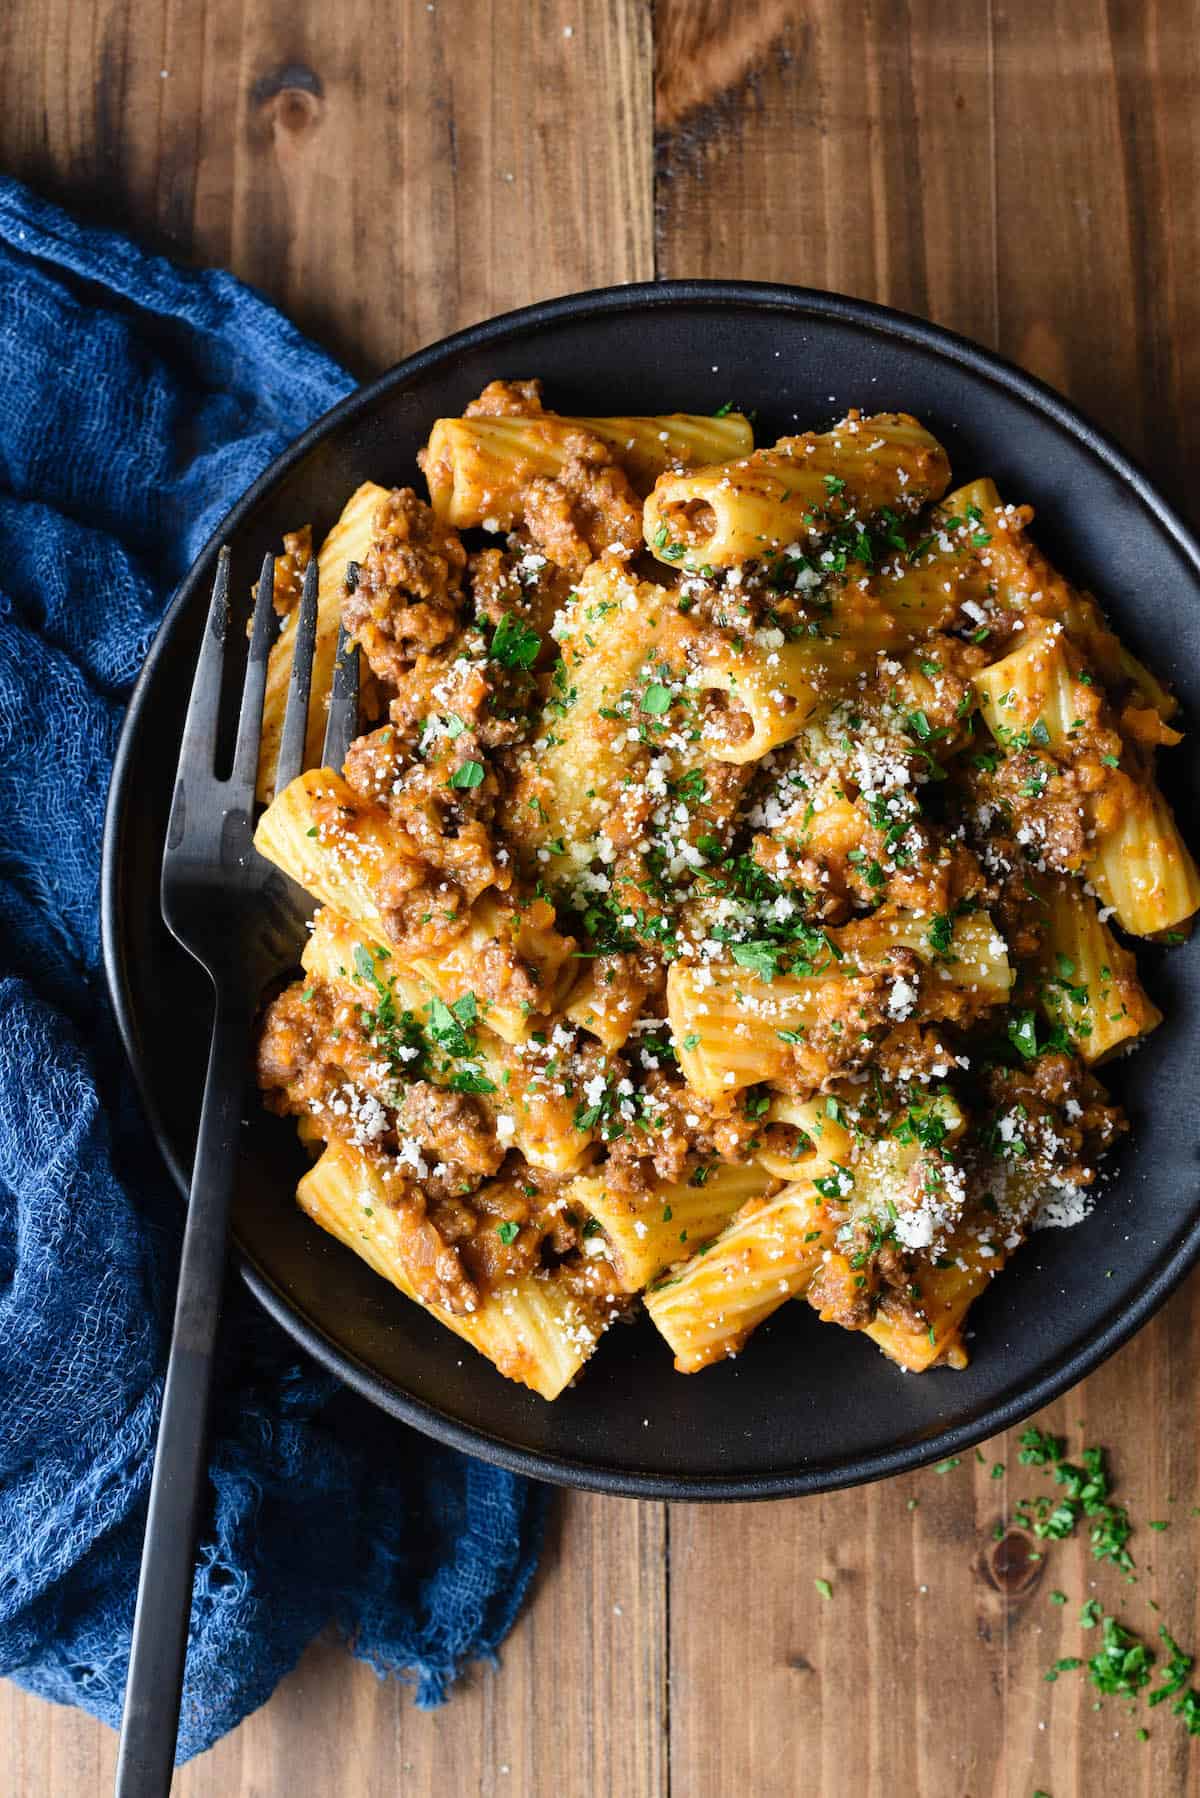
(1026, 171)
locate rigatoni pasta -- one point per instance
(727, 906)
(745, 510)
(479, 469)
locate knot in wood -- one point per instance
(290, 98)
(1012, 1566)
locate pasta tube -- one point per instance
(1141, 866)
(766, 1255)
(339, 848)
(1088, 981)
(646, 1234)
(535, 1330)
(740, 511)
(733, 1029)
(478, 468)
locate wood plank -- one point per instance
(925, 1671)
(379, 180)
(1096, 208)
(828, 146)
(576, 1708)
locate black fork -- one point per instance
(238, 917)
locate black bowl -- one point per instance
(805, 1408)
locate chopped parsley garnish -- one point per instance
(469, 1080)
(450, 1026)
(515, 644)
(1022, 1034)
(762, 959)
(508, 1231)
(656, 699)
(468, 775)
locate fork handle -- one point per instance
(150, 1721)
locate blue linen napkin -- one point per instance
(137, 401)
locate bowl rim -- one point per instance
(562, 1470)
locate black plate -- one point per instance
(805, 1407)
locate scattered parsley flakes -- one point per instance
(1123, 1665)
(470, 1080)
(1177, 1671)
(466, 776)
(1022, 1034)
(761, 959)
(450, 1025)
(515, 644)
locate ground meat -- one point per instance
(940, 877)
(1014, 903)
(434, 1266)
(724, 723)
(520, 581)
(936, 680)
(409, 595)
(676, 1132)
(447, 829)
(291, 1031)
(317, 1060)
(1036, 815)
(842, 1294)
(1053, 1113)
(375, 763)
(505, 977)
(453, 1130)
(508, 399)
(587, 509)
(914, 1052)
(899, 1285)
(290, 569)
(464, 692)
(851, 1014)
(865, 1276)
(421, 909)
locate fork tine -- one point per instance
(343, 704)
(197, 751)
(245, 755)
(295, 718)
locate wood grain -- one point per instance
(577, 1709)
(385, 173)
(1025, 171)
(829, 146)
